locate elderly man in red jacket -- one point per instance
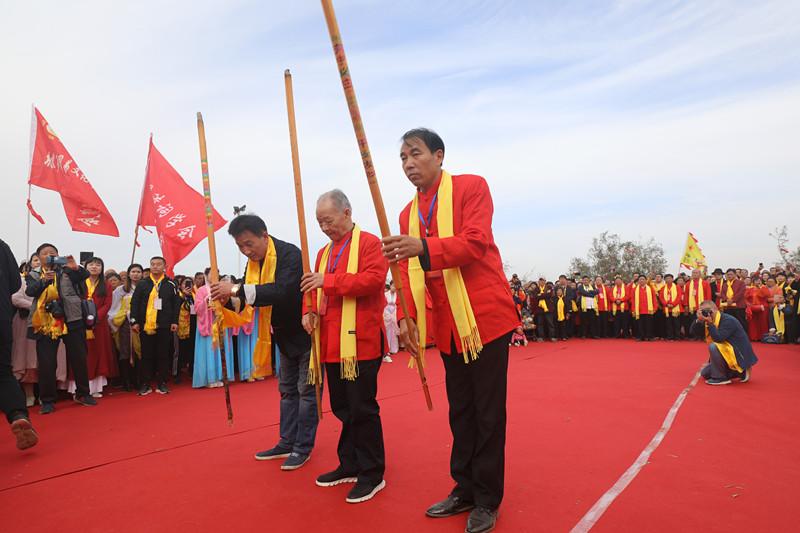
(348, 283)
(446, 245)
(732, 297)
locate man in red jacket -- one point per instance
(446, 245)
(348, 303)
(732, 297)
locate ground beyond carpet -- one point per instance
(579, 413)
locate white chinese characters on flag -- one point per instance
(175, 209)
(52, 167)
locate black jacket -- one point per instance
(170, 303)
(285, 298)
(10, 281)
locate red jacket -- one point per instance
(367, 286)
(665, 297)
(603, 298)
(615, 294)
(643, 300)
(692, 306)
(472, 248)
(738, 301)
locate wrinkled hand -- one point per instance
(221, 291)
(71, 263)
(399, 247)
(49, 275)
(410, 339)
(310, 322)
(173, 328)
(311, 281)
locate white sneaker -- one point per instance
(387, 358)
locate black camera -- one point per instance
(56, 261)
(55, 308)
(706, 313)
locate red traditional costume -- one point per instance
(757, 299)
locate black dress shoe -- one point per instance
(452, 505)
(481, 520)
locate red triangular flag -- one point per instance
(53, 168)
(175, 209)
(33, 212)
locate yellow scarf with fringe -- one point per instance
(348, 353)
(457, 296)
(43, 322)
(90, 288)
(724, 347)
(560, 309)
(543, 303)
(671, 297)
(257, 274)
(700, 296)
(150, 323)
(650, 305)
(778, 317)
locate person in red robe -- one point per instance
(353, 401)
(671, 298)
(644, 303)
(604, 324)
(696, 291)
(757, 297)
(731, 297)
(100, 359)
(475, 382)
(620, 307)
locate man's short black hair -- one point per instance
(669, 276)
(45, 245)
(158, 257)
(429, 137)
(198, 274)
(247, 222)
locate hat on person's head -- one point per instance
(718, 271)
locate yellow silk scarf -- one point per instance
(348, 347)
(150, 323)
(724, 347)
(456, 289)
(184, 321)
(671, 297)
(90, 288)
(729, 292)
(43, 322)
(560, 309)
(778, 317)
(618, 294)
(583, 300)
(650, 305)
(542, 303)
(700, 296)
(258, 274)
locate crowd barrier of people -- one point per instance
(656, 306)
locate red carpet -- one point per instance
(579, 414)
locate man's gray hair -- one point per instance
(708, 303)
(337, 197)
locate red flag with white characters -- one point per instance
(175, 209)
(53, 168)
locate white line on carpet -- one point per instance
(593, 515)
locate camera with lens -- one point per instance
(706, 313)
(56, 261)
(55, 308)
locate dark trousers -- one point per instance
(476, 392)
(298, 427)
(588, 323)
(659, 324)
(644, 327)
(12, 398)
(46, 357)
(354, 403)
(561, 329)
(740, 315)
(686, 320)
(186, 354)
(544, 324)
(157, 350)
(604, 326)
(672, 327)
(717, 367)
(621, 324)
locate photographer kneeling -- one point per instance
(57, 315)
(731, 354)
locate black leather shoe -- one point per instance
(481, 520)
(452, 505)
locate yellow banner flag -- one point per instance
(692, 254)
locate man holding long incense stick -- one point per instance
(271, 296)
(446, 245)
(348, 284)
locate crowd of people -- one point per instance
(656, 306)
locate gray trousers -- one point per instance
(717, 368)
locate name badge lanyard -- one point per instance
(427, 221)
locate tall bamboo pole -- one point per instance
(212, 252)
(366, 159)
(301, 223)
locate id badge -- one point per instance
(323, 305)
(157, 304)
(191, 309)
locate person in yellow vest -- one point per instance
(731, 355)
(348, 301)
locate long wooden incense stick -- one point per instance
(301, 223)
(366, 159)
(212, 252)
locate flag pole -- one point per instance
(30, 167)
(212, 252)
(301, 222)
(141, 200)
(366, 159)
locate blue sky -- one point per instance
(641, 118)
